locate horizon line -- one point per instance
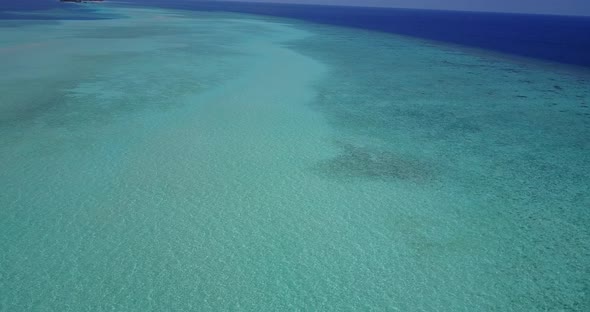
(390, 7)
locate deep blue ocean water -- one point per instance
(564, 39)
(28, 5)
(28, 9)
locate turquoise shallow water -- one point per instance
(206, 161)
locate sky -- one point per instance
(560, 7)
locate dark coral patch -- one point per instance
(361, 162)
